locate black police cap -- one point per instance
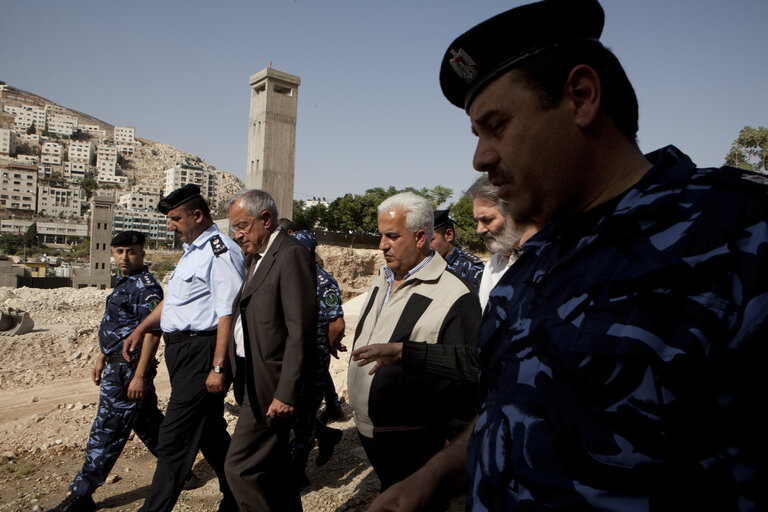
(128, 238)
(441, 218)
(497, 45)
(178, 197)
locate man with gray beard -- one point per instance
(503, 235)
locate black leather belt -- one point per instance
(179, 336)
(115, 358)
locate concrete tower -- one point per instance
(272, 136)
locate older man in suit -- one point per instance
(274, 319)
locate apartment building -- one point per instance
(74, 171)
(94, 131)
(206, 179)
(18, 186)
(124, 135)
(47, 232)
(81, 151)
(152, 223)
(7, 141)
(106, 159)
(51, 153)
(135, 200)
(26, 116)
(60, 200)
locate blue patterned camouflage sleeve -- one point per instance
(467, 266)
(619, 362)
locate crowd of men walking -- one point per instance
(603, 358)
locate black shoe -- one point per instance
(327, 439)
(228, 504)
(75, 503)
(330, 414)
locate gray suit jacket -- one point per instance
(279, 317)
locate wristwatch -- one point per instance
(218, 369)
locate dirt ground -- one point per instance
(48, 402)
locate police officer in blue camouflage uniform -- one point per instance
(127, 399)
(330, 330)
(463, 264)
(621, 363)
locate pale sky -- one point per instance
(371, 112)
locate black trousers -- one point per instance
(258, 464)
(396, 455)
(193, 421)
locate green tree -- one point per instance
(89, 185)
(359, 213)
(10, 244)
(465, 226)
(29, 239)
(309, 218)
(750, 150)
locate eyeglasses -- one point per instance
(241, 228)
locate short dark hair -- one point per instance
(546, 72)
(196, 203)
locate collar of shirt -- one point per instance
(203, 238)
(261, 254)
(389, 275)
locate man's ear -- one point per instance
(198, 214)
(266, 217)
(450, 235)
(583, 89)
(421, 238)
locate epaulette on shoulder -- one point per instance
(474, 259)
(751, 184)
(148, 280)
(218, 245)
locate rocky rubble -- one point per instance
(45, 377)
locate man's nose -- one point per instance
(486, 158)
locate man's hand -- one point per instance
(216, 382)
(380, 353)
(98, 369)
(278, 409)
(131, 341)
(409, 495)
(136, 387)
(340, 348)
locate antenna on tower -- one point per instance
(270, 64)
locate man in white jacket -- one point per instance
(503, 235)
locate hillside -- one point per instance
(150, 159)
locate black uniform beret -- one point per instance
(128, 238)
(495, 46)
(178, 197)
(441, 218)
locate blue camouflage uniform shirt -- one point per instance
(467, 266)
(619, 361)
(328, 303)
(133, 298)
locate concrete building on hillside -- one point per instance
(81, 151)
(50, 233)
(152, 223)
(125, 134)
(60, 199)
(272, 135)
(27, 116)
(74, 171)
(18, 187)
(7, 141)
(51, 153)
(207, 179)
